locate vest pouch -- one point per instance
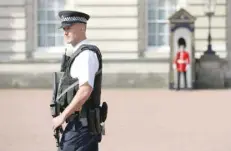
(94, 121)
(91, 122)
(97, 120)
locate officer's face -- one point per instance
(73, 33)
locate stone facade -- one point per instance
(119, 28)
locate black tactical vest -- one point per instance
(68, 86)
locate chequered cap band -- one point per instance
(74, 18)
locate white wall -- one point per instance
(113, 26)
(12, 29)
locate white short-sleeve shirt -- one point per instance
(85, 66)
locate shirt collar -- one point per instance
(81, 43)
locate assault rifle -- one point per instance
(63, 61)
(55, 108)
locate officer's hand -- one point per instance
(64, 125)
(58, 121)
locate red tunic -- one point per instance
(181, 60)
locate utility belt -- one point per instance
(94, 119)
(72, 117)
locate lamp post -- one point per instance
(209, 12)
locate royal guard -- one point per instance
(181, 62)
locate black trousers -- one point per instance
(77, 138)
(179, 77)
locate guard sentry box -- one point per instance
(182, 61)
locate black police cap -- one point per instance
(68, 17)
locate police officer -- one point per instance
(84, 67)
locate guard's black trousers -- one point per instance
(77, 138)
(178, 79)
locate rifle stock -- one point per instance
(63, 61)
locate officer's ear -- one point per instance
(84, 28)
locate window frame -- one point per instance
(161, 49)
(44, 50)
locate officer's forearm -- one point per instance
(79, 99)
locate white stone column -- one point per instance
(30, 19)
(228, 24)
(228, 43)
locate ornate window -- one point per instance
(48, 34)
(158, 29)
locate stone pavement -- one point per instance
(139, 120)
